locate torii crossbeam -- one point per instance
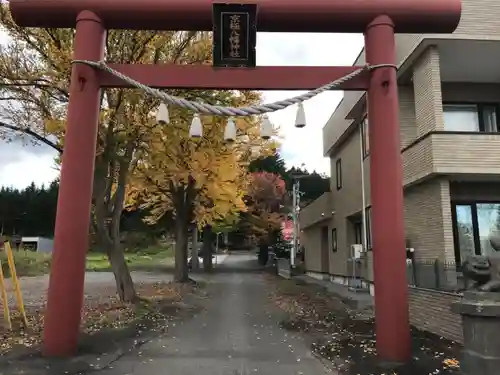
(379, 20)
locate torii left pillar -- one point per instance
(77, 176)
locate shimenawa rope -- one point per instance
(229, 111)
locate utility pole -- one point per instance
(295, 220)
(295, 217)
(354, 255)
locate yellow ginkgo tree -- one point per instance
(35, 67)
(202, 180)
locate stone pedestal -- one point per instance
(480, 313)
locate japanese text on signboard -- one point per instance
(234, 38)
(234, 35)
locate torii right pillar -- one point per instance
(386, 181)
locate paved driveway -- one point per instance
(237, 334)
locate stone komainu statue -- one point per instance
(481, 274)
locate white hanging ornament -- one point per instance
(266, 128)
(162, 116)
(494, 238)
(230, 131)
(196, 129)
(300, 119)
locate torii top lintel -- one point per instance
(343, 16)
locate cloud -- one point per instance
(305, 146)
(24, 164)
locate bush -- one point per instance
(134, 241)
(28, 263)
(282, 247)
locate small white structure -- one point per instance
(39, 244)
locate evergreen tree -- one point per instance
(30, 211)
(312, 185)
(272, 164)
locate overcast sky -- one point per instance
(22, 164)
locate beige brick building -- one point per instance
(449, 93)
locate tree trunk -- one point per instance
(207, 248)
(111, 243)
(124, 284)
(182, 199)
(108, 211)
(181, 244)
(195, 263)
(263, 255)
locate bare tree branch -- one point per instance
(31, 133)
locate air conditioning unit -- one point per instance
(356, 250)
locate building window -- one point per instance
(471, 117)
(476, 229)
(358, 232)
(368, 214)
(334, 240)
(338, 173)
(365, 139)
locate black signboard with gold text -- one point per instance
(234, 35)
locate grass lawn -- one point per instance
(29, 263)
(147, 259)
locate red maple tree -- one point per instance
(265, 198)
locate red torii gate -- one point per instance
(377, 19)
